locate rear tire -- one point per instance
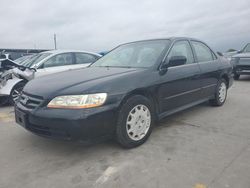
(236, 76)
(135, 121)
(220, 94)
(15, 92)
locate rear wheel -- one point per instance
(135, 122)
(221, 94)
(16, 91)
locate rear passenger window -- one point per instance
(182, 48)
(83, 58)
(203, 53)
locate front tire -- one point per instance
(220, 94)
(16, 91)
(135, 121)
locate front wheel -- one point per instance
(16, 91)
(135, 122)
(220, 94)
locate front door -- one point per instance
(180, 84)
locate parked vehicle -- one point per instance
(241, 62)
(125, 92)
(229, 55)
(5, 66)
(49, 62)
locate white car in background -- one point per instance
(14, 79)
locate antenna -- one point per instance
(55, 41)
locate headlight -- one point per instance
(78, 101)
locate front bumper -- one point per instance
(242, 70)
(242, 66)
(85, 125)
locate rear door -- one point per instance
(209, 66)
(181, 84)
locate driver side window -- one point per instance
(182, 48)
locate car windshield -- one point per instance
(138, 54)
(22, 59)
(247, 48)
(35, 59)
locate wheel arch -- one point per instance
(145, 93)
(6, 90)
(226, 77)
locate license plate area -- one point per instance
(21, 118)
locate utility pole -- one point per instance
(55, 41)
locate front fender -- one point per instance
(6, 89)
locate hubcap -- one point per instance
(138, 122)
(222, 92)
(16, 93)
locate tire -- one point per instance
(15, 92)
(220, 94)
(135, 122)
(236, 76)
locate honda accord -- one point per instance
(125, 92)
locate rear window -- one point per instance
(203, 53)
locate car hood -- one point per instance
(243, 55)
(74, 81)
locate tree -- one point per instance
(231, 50)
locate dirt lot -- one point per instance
(200, 147)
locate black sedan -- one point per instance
(122, 94)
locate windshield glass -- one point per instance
(138, 54)
(247, 48)
(20, 60)
(35, 59)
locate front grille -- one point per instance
(30, 101)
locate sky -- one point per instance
(100, 25)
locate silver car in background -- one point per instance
(241, 62)
(13, 80)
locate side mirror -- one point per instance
(172, 62)
(239, 51)
(177, 61)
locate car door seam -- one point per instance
(183, 93)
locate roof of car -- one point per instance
(167, 38)
(68, 51)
